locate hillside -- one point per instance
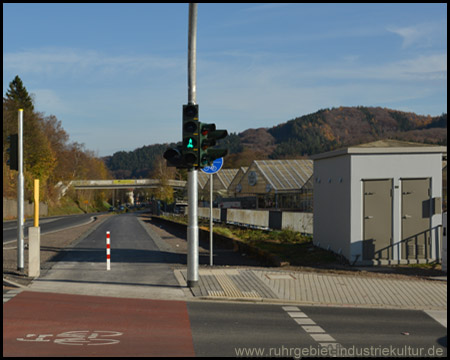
(330, 129)
(324, 130)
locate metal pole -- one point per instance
(211, 220)
(192, 52)
(192, 234)
(20, 197)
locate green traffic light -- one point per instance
(190, 145)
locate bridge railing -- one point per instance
(124, 183)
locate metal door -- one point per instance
(415, 218)
(377, 219)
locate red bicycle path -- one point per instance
(81, 325)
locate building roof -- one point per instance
(285, 175)
(387, 146)
(222, 179)
(202, 178)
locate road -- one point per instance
(78, 308)
(47, 225)
(139, 268)
(46, 324)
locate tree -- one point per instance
(18, 94)
(48, 156)
(163, 173)
(38, 156)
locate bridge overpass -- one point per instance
(125, 184)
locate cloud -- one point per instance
(420, 35)
(420, 68)
(75, 62)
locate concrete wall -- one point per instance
(204, 213)
(301, 222)
(10, 209)
(258, 218)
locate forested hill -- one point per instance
(330, 129)
(324, 130)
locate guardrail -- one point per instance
(125, 184)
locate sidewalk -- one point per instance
(319, 289)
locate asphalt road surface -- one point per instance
(138, 308)
(47, 225)
(139, 268)
(46, 324)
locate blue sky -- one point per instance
(116, 74)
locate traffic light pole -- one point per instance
(192, 231)
(20, 197)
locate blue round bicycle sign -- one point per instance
(215, 167)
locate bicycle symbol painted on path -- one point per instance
(80, 338)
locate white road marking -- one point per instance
(297, 314)
(311, 328)
(322, 337)
(305, 321)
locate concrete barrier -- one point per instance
(301, 222)
(10, 209)
(264, 219)
(34, 251)
(253, 218)
(204, 212)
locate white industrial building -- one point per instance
(380, 203)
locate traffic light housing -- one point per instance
(13, 152)
(174, 157)
(190, 150)
(207, 140)
(197, 148)
(185, 156)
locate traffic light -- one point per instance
(185, 156)
(190, 150)
(174, 157)
(198, 141)
(13, 152)
(207, 139)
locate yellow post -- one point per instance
(36, 202)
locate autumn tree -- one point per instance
(164, 173)
(38, 156)
(48, 154)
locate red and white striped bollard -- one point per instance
(108, 252)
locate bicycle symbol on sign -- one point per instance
(83, 337)
(214, 167)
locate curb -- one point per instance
(304, 303)
(11, 283)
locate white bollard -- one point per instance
(108, 252)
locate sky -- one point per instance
(115, 75)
